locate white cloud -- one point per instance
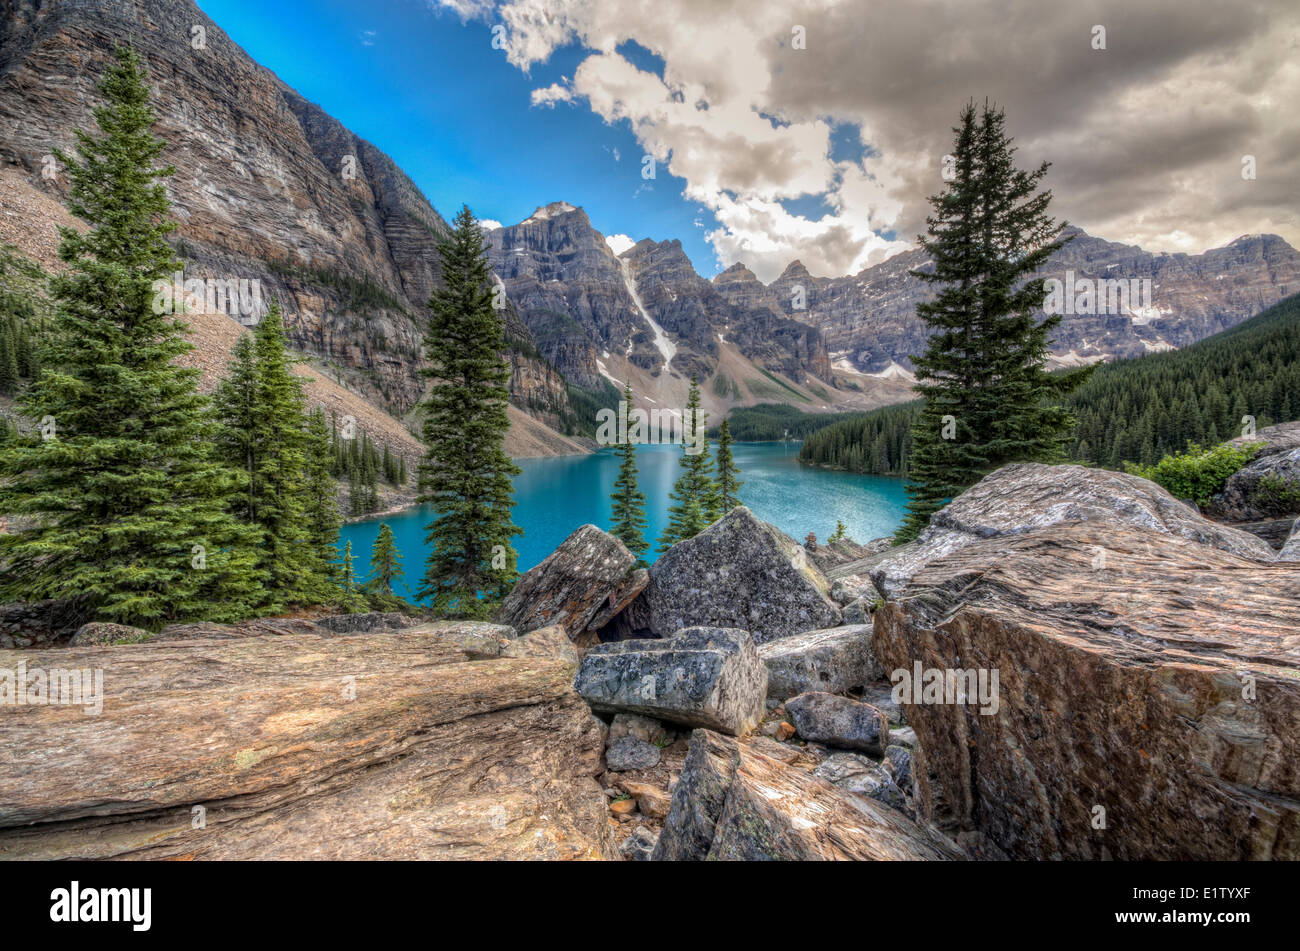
(552, 94)
(618, 243)
(488, 224)
(1146, 137)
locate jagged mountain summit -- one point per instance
(597, 315)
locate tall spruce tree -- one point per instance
(695, 492)
(989, 400)
(629, 501)
(321, 510)
(263, 409)
(465, 474)
(128, 504)
(235, 404)
(727, 496)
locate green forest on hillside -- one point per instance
(765, 422)
(1134, 410)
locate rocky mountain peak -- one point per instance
(737, 274)
(554, 210)
(794, 271)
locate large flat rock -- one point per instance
(1147, 682)
(702, 676)
(1026, 497)
(742, 573)
(388, 746)
(734, 803)
(570, 586)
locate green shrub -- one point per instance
(1197, 474)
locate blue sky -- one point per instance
(455, 116)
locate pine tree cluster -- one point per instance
(363, 464)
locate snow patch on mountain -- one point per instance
(665, 345)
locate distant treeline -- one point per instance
(764, 422)
(1134, 410)
(878, 442)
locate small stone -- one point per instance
(629, 752)
(651, 800)
(643, 728)
(640, 845)
(623, 807)
(839, 722)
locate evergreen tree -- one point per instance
(385, 563)
(128, 505)
(321, 510)
(988, 399)
(263, 409)
(728, 492)
(8, 359)
(235, 404)
(695, 492)
(629, 501)
(465, 474)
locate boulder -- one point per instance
(1291, 548)
(366, 622)
(570, 585)
(99, 633)
(390, 746)
(839, 722)
(738, 573)
(734, 803)
(1157, 691)
(1026, 497)
(702, 676)
(630, 752)
(834, 659)
(1267, 487)
(544, 642)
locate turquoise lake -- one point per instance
(556, 495)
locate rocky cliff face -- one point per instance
(869, 319)
(589, 310)
(268, 187)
